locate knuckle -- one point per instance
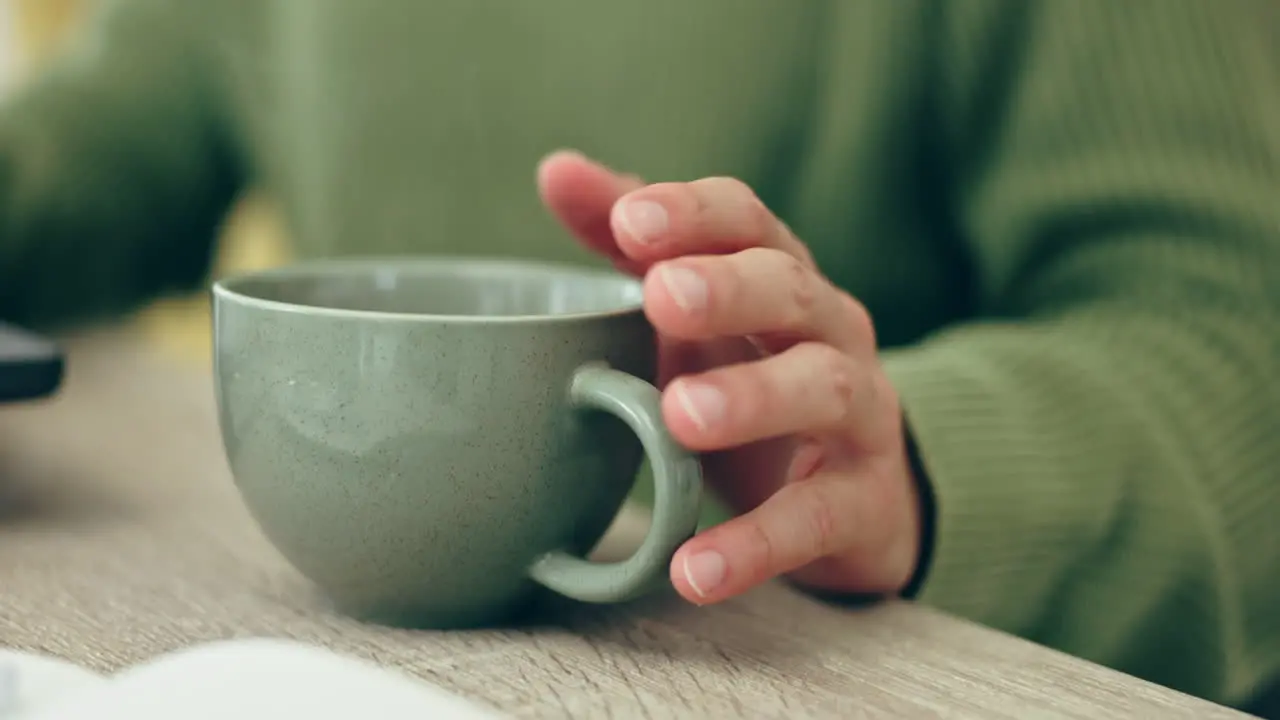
(799, 286)
(756, 221)
(704, 196)
(803, 285)
(676, 197)
(716, 193)
(837, 376)
(730, 188)
(859, 318)
(799, 249)
(761, 224)
(831, 362)
(784, 238)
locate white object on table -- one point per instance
(28, 680)
(255, 679)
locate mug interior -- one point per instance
(456, 288)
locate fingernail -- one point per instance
(643, 220)
(704, 571)
(703, 404)
(687, 288)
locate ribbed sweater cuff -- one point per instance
(1005, 531)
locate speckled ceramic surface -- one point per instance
(430, 440)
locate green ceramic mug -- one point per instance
(431, 440)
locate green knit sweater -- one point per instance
(1064, 216)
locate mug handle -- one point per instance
(677, 479)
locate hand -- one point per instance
(770, 371)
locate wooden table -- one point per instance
(121, 536)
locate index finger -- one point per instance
(581, 193)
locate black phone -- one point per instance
(31, 365)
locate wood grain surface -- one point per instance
(121, 537)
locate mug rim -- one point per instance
(226, 288)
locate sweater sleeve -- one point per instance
(115, 170)
(1104, 444)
